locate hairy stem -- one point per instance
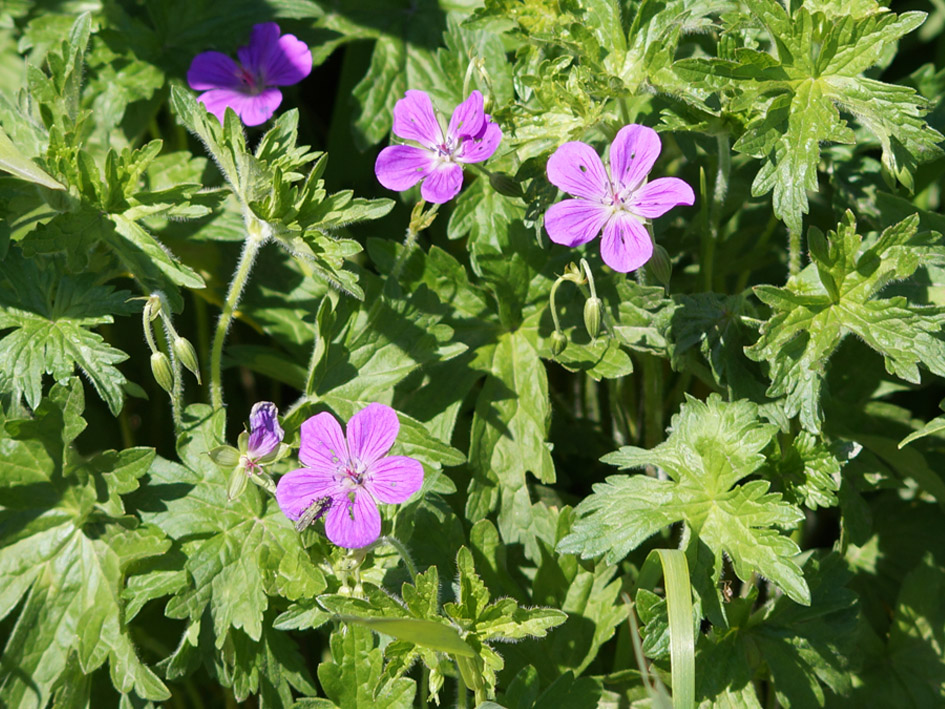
(256, 237)
(794, 252)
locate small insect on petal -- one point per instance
(313, 513)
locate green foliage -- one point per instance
(70, 540)
(791, 95)
(800, 479)
(712, 446)
(836, 295)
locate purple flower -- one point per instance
(619, 203)
(471, 137)
(265, 435)
(247, 87)
(355, 474)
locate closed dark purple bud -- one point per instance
(265, 433)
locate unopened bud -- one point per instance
(592, 308)
(224, 456)
(187, 355)
(238, 479)
(558, 343)
(660, 266)
(505, 184)
(161, 369)
(153, 307)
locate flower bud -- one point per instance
(224, 456)
(153, 307)
(238, 479)
(592, 308)
(187, 355)
(161, 369)
(505, 184)
(558, 343)
(660, 266)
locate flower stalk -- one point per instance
(257, 232)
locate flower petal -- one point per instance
(393, 479)
(400, 167)
(252, 109)
(213, 70)
(482, 146)
(467, 118)
(443, 183)
(323, 443)
(353, 525)
(263, 43)
(576, 168)
(573, 222)
(265, 433)
(414, 119)
(632, 155)
(298, 489)
(626, 244)
(291, 63)
(371, 433)
(656, 198)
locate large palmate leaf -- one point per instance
(816, 65)
(712, 446)
(836, 296)
(51, 314)
(66, 546)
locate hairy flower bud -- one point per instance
(153, 307)
(161, 369)
(592, 308)
(558, 343)
(187, 355)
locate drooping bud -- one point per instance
(224, 456)
(505, 184)
(238, 479)
(187, 355)
(153, 307)
(161, 369)
(558, 343)
(592, 308)
(660, 266)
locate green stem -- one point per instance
(719, 192)
(256, 237)
(551, 298)
(794, 252)
(652, 400)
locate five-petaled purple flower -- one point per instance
(248, 86)
(470, 137)
(355, 474)
(618, 203)
(265, 435)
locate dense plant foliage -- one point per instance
(272, 432)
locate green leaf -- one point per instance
(792, 95)
(14, 162)
(808, 323)
(712, 446)
(508, 437)
(51, 313)
(482, 621)
(352, 676)
(68, 557)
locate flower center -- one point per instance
(252, 84)
(351, 473)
